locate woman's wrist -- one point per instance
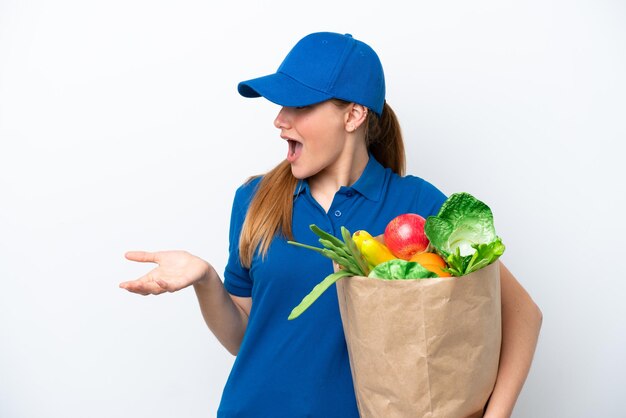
(208, 274)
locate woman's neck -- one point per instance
(346, 172)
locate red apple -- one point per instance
(404, 235)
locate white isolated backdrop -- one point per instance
(121, 128)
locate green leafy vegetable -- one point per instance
(464, 234)
(399, 269)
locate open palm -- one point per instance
(176, 270)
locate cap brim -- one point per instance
(282, 90)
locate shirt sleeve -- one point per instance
(429, 199)
(237, 280)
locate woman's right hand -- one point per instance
(176, 270)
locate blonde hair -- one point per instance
(270, 212)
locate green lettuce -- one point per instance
(463, 233)
(398, 269)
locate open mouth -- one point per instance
(295, 149)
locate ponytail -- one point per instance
(383, 138)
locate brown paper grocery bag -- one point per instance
(423, 347)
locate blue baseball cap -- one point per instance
(322, 66)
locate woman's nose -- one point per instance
(281, 119)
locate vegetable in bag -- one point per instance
(462, 234)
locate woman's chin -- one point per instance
(300, 172)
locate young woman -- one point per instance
(344, 167)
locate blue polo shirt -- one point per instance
(300, 368)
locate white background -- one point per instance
(121, 128)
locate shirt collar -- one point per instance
(370, 184)
(301, 187)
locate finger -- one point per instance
(165, 286)
(142, 288)
(141, 256)
(143, 285)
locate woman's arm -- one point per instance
(225, 315)
(521, 321)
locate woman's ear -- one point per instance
(355, 117)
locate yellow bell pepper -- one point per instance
(359, 236)
(375, 252)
